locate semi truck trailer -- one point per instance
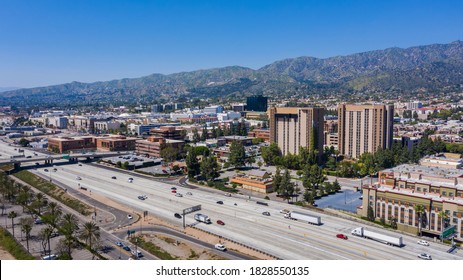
(390, 240)
(311, 219)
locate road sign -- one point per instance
(191, 209)
(448, 231)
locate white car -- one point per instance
(425, 256)
(78, 178)
(178, 195)
(220, 247)
(129, 217)
(423, 242)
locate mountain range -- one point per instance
(384, 73)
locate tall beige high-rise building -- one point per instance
(364, 128)
(292, 128)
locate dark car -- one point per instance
(46, 170)
(127, 248)
(220, 202)
(173, 188)
(177, 215)
(113, 177)
(220, 222)
(266, 213)
(342, 236)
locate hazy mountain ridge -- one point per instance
(428, 67)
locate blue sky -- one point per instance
(52, 42)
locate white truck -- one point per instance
(293, 215)
(390, 240)
(202, 218)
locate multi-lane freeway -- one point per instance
(244, 221)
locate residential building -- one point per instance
(364, 128)
(257, 103)
(292, 128)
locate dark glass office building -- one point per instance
(257, 103)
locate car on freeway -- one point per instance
(178, 195)
(119, 244)
(37, 163)
(177, 215)
(29, 157)
(113, 177)
(130, 180)
(220, 247)
(220, 222)
(228, 194)
(173, 188)
(423, 242)
(173, 191)
(78, 178)
(55, 169)
(137, 254)
(46, 170)
(141, 197)
(80, 164)
(342, 236)
(220, 202)
(189, 193)
(425, 256)
(130, 217)
(127, 248)
(452, 249)
(284, 211)
(266, 213)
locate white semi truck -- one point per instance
(293, 215)
(390, 240)
(202, 218)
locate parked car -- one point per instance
(266, 213)
(127, 248)
(119, 244)
(342, 236)
(220, 247)
(220, 222)
(130, 217)
(423, 242)
(54, 234)
(425, 256)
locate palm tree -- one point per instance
(53, 215)
(24, 196)
(443, 217)
(39, 202)
(91, 234)
(11, 216)
(68, 229)
(26, 227)
(45, 235)
(419, 210)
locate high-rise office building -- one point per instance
(257, 103)
(364, 128)
(292, 128)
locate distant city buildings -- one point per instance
(364, 128)
(257, 103)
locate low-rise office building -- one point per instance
(256, 181)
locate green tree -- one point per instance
(26, 227)
(443, 216)
(237, 155)
(196, 137)
(169, 153)
(53, 214)
(419, 210)
(209, 168)
(125, 165)
(69, 226)
(24, 142)
(12, 215)
(370, 214)
(91, 234)
(204, 134)
(286, 186)
(277, 187)
(192, 163)
(270, 153)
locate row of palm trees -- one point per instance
(38, 207)
(420, 210)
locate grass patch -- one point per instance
(152, 248)
(7, 167)
(193, 255)
(53, 191)
(8, 243)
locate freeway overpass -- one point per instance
(16, 161)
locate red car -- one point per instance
(342, 236)
(220, 222)
(174, 191)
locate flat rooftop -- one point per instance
(427, 170)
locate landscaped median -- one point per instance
(13, 247)
(53, 191)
